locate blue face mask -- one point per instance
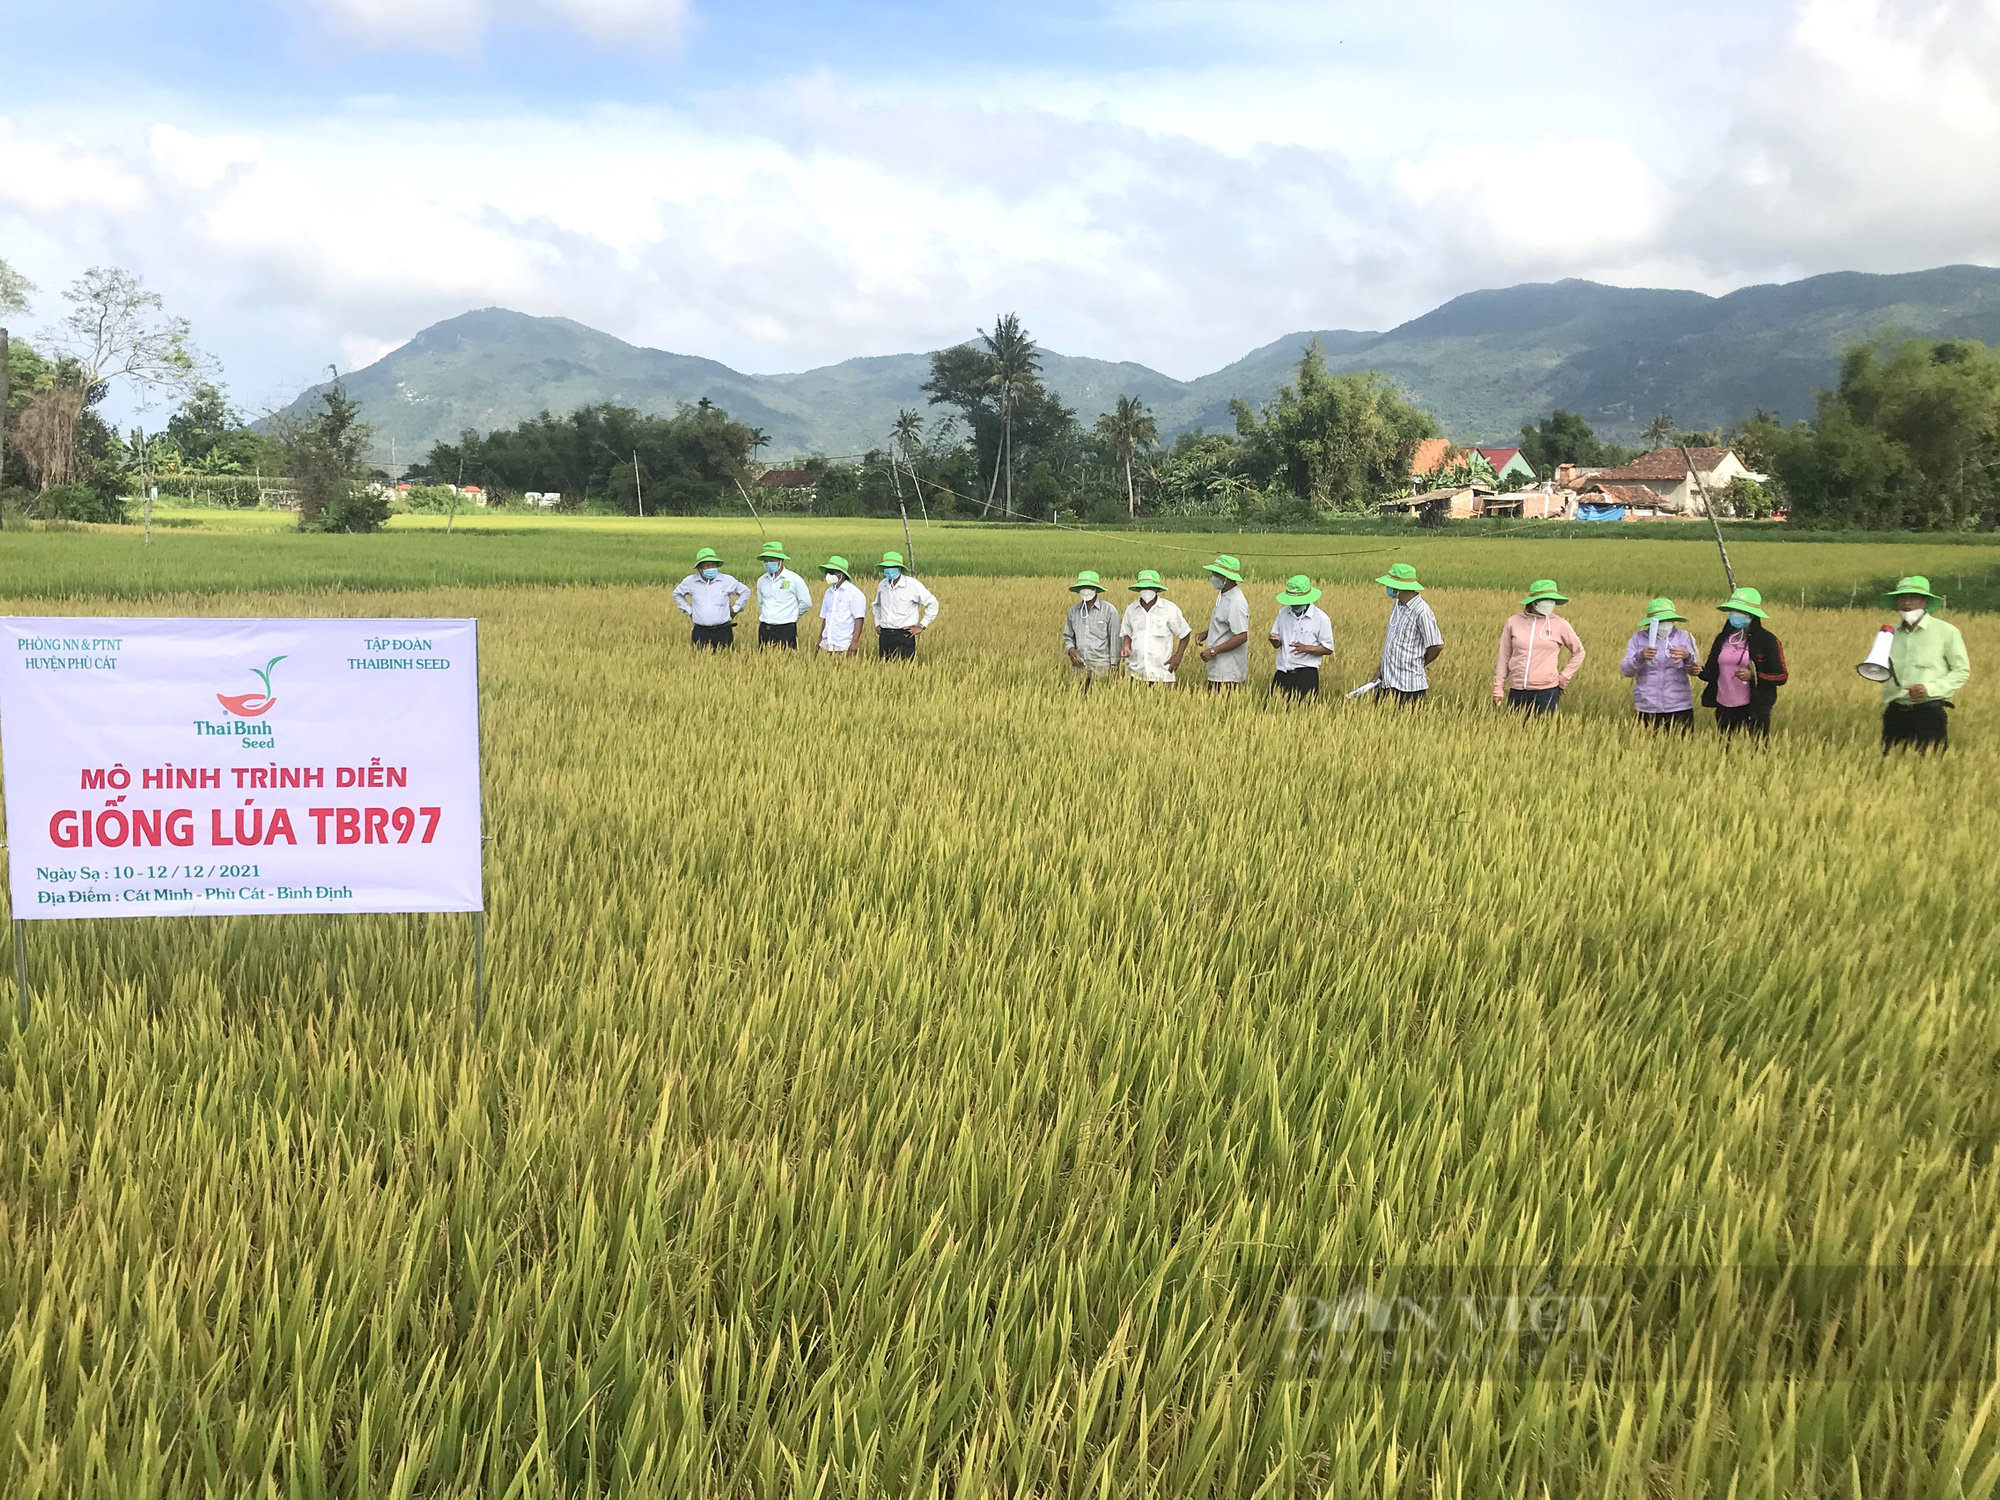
(772, 565)
(1389, 591)
(1738, 621)
(708, 573)
(892, 574)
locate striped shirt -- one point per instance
(1412, 630)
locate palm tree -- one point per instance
(906, 437)
(908, 431)
(1124, 432)
(1660, 433)
(1010, 353)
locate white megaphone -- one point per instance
(1876, 667)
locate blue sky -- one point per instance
(779, 185)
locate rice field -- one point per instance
(937, 1081)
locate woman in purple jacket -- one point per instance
(1662, 659)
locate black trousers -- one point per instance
(1298, 682)
(778, 635)
(1921, 726)
(1535, 701)
(1681, 720)
(1754, 719)
(896, 645)
(715, 637)
(1398, 697)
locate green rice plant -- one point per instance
(933, 1079)
(206, 552)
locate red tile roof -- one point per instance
(1498, 457)
(787, 479)
(1666, 463)
(1430, 455)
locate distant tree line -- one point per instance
(678, 465)
(1908, 438)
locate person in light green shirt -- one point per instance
(1927, 666)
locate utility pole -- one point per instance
(896, 478)
(1708, 504)
(638, 483)
(4, 362)
(146, 481)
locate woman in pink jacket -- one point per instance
(1529, 674)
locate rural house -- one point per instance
(1459, 504)
(1507, 464)
(1435, 456)
(1539, 502)
(789, 487)
(1659, 481)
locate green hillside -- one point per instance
(1484, 363)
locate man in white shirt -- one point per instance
(1225, 645)
(1303, 635)
(712, 599)
(904, 609)
(841, 609)
(782, 596)
(1154, 632)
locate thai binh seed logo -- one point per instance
(253, 705)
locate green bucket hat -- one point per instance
(707, 555)
(1916, 583)
(1403, 578)
(1228, 567)
(1087, 580)
(892, 559)
(1748, 600)
(1299, 590)
(1544, 588)
(1661, 609)
(1149, 578)
(835, 564)
(773, 549)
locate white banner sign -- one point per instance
(219, 767)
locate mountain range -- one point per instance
(1483, 363)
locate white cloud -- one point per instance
(817, 218)
(456, 27)
(1873, 141)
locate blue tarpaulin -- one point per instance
(1601, 512)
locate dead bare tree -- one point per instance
(47, 434)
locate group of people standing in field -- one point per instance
(1539, 651)
(903, 608)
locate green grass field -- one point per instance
(218, 551)
(935, 1081)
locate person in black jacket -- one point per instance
(1745, 668)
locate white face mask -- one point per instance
(1218, 582)
(1088, 596)
(833, 578)
(1911, 616)
(1147, 596)
(1544, 607)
